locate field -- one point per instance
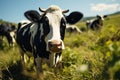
(91, 55)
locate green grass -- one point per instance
(91, 55)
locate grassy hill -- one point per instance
(91, 55)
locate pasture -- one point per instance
(91, 55)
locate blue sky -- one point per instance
(13, 10)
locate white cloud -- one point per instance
(105, 7)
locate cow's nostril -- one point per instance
(50, 44)
(55, 46)
(55, 43)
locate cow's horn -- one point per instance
(65, 11)
(42, 10)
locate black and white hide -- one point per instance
(95, 24)
(8, 30)
(44, 33)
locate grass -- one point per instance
(92, 55)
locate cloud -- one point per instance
(105, 7)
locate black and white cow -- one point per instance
(8, 30)
(43, 34)
(72, 28)
(95, 24)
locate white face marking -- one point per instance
(54, 24)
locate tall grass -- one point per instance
(91, 55)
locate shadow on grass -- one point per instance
(15, 72)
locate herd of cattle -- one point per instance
(8, 30)
(43, 34)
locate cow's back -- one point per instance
(23, 37)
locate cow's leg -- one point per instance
(22, 59)
(94, 27)
(87, 26)
(12, 34)
(38, 64)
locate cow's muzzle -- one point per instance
(55, 45)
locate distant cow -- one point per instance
(72, 28)
(95, 24)
(8, 31)
(43, 35)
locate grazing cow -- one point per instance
(43, 35)
(95, 24)
(8, 31)
(72, 28)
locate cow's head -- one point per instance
(101, 17)
(53, 22)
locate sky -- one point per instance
(13, 10)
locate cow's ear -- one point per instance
(74, 17)
(32, 15)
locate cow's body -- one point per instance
(95, 24)
(8, 31)
(73, 28)
(43, 35)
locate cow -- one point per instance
(43, 35)
(95, 24)
(72, 28)
(8, 30)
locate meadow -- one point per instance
(91, 55)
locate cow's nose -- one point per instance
(55, 45)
